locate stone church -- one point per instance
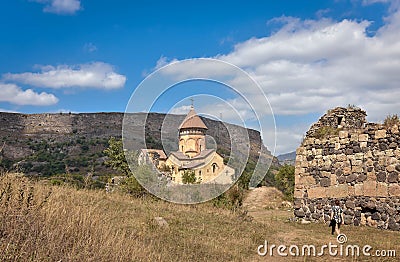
(193, 155)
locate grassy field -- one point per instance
(39, 222)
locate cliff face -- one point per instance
(41, 144)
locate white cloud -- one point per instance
(323, 12)
(309, 66)
(8, 111)
(64, 111)
(90, 47)
(63, 7)
(370, 2)
(314, 69)
(92, 75)
(288, 139)
(162, 61)
(14, 94)
(182, 110)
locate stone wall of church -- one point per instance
(359, 164)
(192, 144)
(213, 167)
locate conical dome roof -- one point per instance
(192, 120)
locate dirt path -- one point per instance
(263, 198)
(267, 206)
(267, 203)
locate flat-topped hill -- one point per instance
(45, 144)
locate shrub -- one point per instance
(117, 161)
(326, 131)
(285, 180)
(391, 120)
(351, 106)
(231, 199)
(131, 186)
(189, 177)
(245, 178)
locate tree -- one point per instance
(285, 180)
(118, 161)
(189, 177)
(131, 185)
(116, 157)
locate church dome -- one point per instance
(192, 121)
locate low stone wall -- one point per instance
(360, 167)
(380, 212)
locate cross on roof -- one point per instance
(192, 101)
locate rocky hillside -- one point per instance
(287, 159)
(47, 144)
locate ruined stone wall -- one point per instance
(349, 118)
(360, 167)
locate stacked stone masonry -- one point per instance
(360, 166)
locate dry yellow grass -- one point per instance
(43, 223)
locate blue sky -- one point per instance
(308, 56)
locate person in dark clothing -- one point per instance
(336, 217)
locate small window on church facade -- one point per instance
(214, 167)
